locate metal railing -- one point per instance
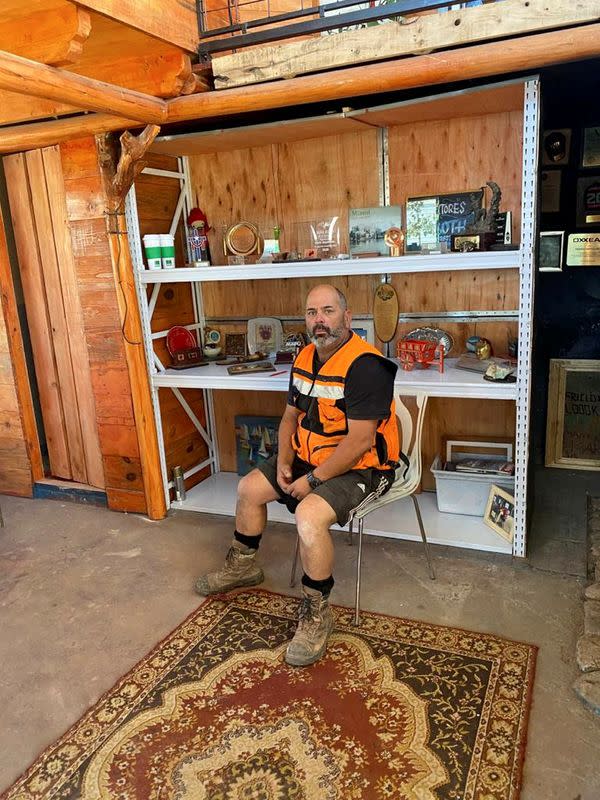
(244, 29)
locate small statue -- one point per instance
(485, 218)
(483, 349)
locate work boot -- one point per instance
(240, 569)
(315, 623)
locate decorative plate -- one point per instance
(178, 339)
(432, 335)
(265, 334)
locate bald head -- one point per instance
(327, 317)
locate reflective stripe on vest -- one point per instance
(322, 422)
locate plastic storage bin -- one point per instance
(467, 492)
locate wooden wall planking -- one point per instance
(156, 201)
(20, 456)
(292, 182)
(34, 292)
(97, 289)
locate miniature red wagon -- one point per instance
(420, 351)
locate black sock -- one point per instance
(248, 541)
(324, 587)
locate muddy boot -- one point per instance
(315, 623)
(240, 569)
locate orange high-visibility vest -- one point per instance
(322, 423)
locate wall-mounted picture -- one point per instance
(583, 250)
(573, 423)
(551, 251)
(551, 182)
(499, 512)
(364, 328)
(367, 227)
(255, 441)
(556, 146)
(590, 151)
(588, 201)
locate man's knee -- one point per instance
(313, 516)
(254, 488)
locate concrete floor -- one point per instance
(85, 593)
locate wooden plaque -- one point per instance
(385, 312)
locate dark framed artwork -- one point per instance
(590, 149)
(588, 201)
(235, 344)
(556, 147)
(551, 251)
(551, 183)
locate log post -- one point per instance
(118, 178)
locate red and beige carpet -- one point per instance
(396, 710)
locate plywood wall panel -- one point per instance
(454, 155)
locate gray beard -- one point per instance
(336, 335)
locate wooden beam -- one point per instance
(117, 180)
(29, 137)
(32, 78)
(173, 21)
(408, 36)
(53, 36)
(479, 61)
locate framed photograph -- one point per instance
(367, 227)
(499, 512)
(590, 151)
(573, 423)
(365, 328)
(551, 251)
(588, 201)
(255, 441)
(556, 146)
(551, 183)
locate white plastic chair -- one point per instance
(410, 426)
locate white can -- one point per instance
(152, 249)
(167, 250)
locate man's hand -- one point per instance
(284, 475)
(299, 488)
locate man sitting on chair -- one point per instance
(338, 447)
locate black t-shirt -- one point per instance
(369, 387)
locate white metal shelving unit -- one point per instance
(217, 494)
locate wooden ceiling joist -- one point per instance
(28, 77)
(478, 61)
(54, 35)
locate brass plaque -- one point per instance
(583, 250)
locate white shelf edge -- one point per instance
(451, 383)
(217, 495)
(504, 259)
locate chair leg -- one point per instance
(423, 537)
(295, 562)
(358, 570)
(350, 532)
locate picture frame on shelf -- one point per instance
(590, 147)
(499, 514)
(556, 147)
(365, 328)
(235, 344)
(255, 441)
(588, 201)
(367, 228)
(551, 184)
(550, 254)
(573, 421)
(431, 221)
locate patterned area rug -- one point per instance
(397, 710)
